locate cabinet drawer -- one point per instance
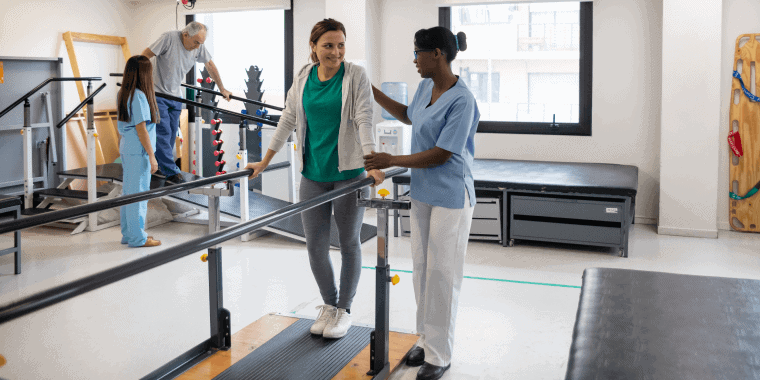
(487, 208)
(523, 229)
(485, 227)
(567, 208)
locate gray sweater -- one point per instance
(356, 135)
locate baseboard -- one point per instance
(690, 232)
(725, 226)
(651, 221)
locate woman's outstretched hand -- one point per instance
(377, 161)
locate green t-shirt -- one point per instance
(322, 103)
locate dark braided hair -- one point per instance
(441, 38)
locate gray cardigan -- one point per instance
(356, 134)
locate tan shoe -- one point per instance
(151, 242)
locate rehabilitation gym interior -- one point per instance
(611, 159)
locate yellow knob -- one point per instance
(204, 257)
(203, 121)
(294, 147)
(22, 131)
(383, 192)
(239, 157)
(94, 135)
(2, 361)
(395, 279)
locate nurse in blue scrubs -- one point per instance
(444, 118)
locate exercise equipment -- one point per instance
(563, 202)
(744, 118)
(91, 195)
(220, 339)
(650, 325)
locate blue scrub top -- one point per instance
(139, 111)
(449, 124)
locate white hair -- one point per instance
(193, 28)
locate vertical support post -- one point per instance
(17, 245)
(196, 132)
(219, 316)
(28, 159)
(92, 187)
(395, 212)
(214, 214)
(53, 149)
(379, 363)
(243, 158)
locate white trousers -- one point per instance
(439, 245)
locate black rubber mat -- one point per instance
(260, 204)
(295, 354)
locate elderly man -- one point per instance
(176, 53)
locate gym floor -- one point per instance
(516, 310)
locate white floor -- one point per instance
(516, 311)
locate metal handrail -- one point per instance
(80, 106)
(215, 109)
(41, 85)
(244, 100)
(72, 289)
(73, 212)
(210, 91)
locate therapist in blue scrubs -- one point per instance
(444, 118)
(137, 118)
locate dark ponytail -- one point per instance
(441, 38)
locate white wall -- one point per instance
(626, 93)
(739, 17)
(35, 28)
(690, 117)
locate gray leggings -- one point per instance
(316, 225)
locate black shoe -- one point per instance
(176, 179)
(431, 372)
(416, 357)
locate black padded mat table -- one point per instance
(296, 354)
(588, 178)
(259, 204)
(651, 325)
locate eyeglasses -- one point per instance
(421, 51)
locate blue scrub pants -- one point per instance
(136, 179)
(166, 135)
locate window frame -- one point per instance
(583, 127)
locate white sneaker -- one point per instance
(338, 327)
(326, 315)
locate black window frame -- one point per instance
(583, 127)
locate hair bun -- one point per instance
(462, 39)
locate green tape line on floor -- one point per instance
(496, 279)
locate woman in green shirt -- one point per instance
(330, 108)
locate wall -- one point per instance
(739, 17)
(690, 117)
(626, 91)
(35, 28)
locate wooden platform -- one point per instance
(257, 333)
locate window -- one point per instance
(234, 57)
(528, 65)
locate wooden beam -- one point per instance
(98, 39)
(69, 41)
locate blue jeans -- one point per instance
(166, 134)
(136, 179)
